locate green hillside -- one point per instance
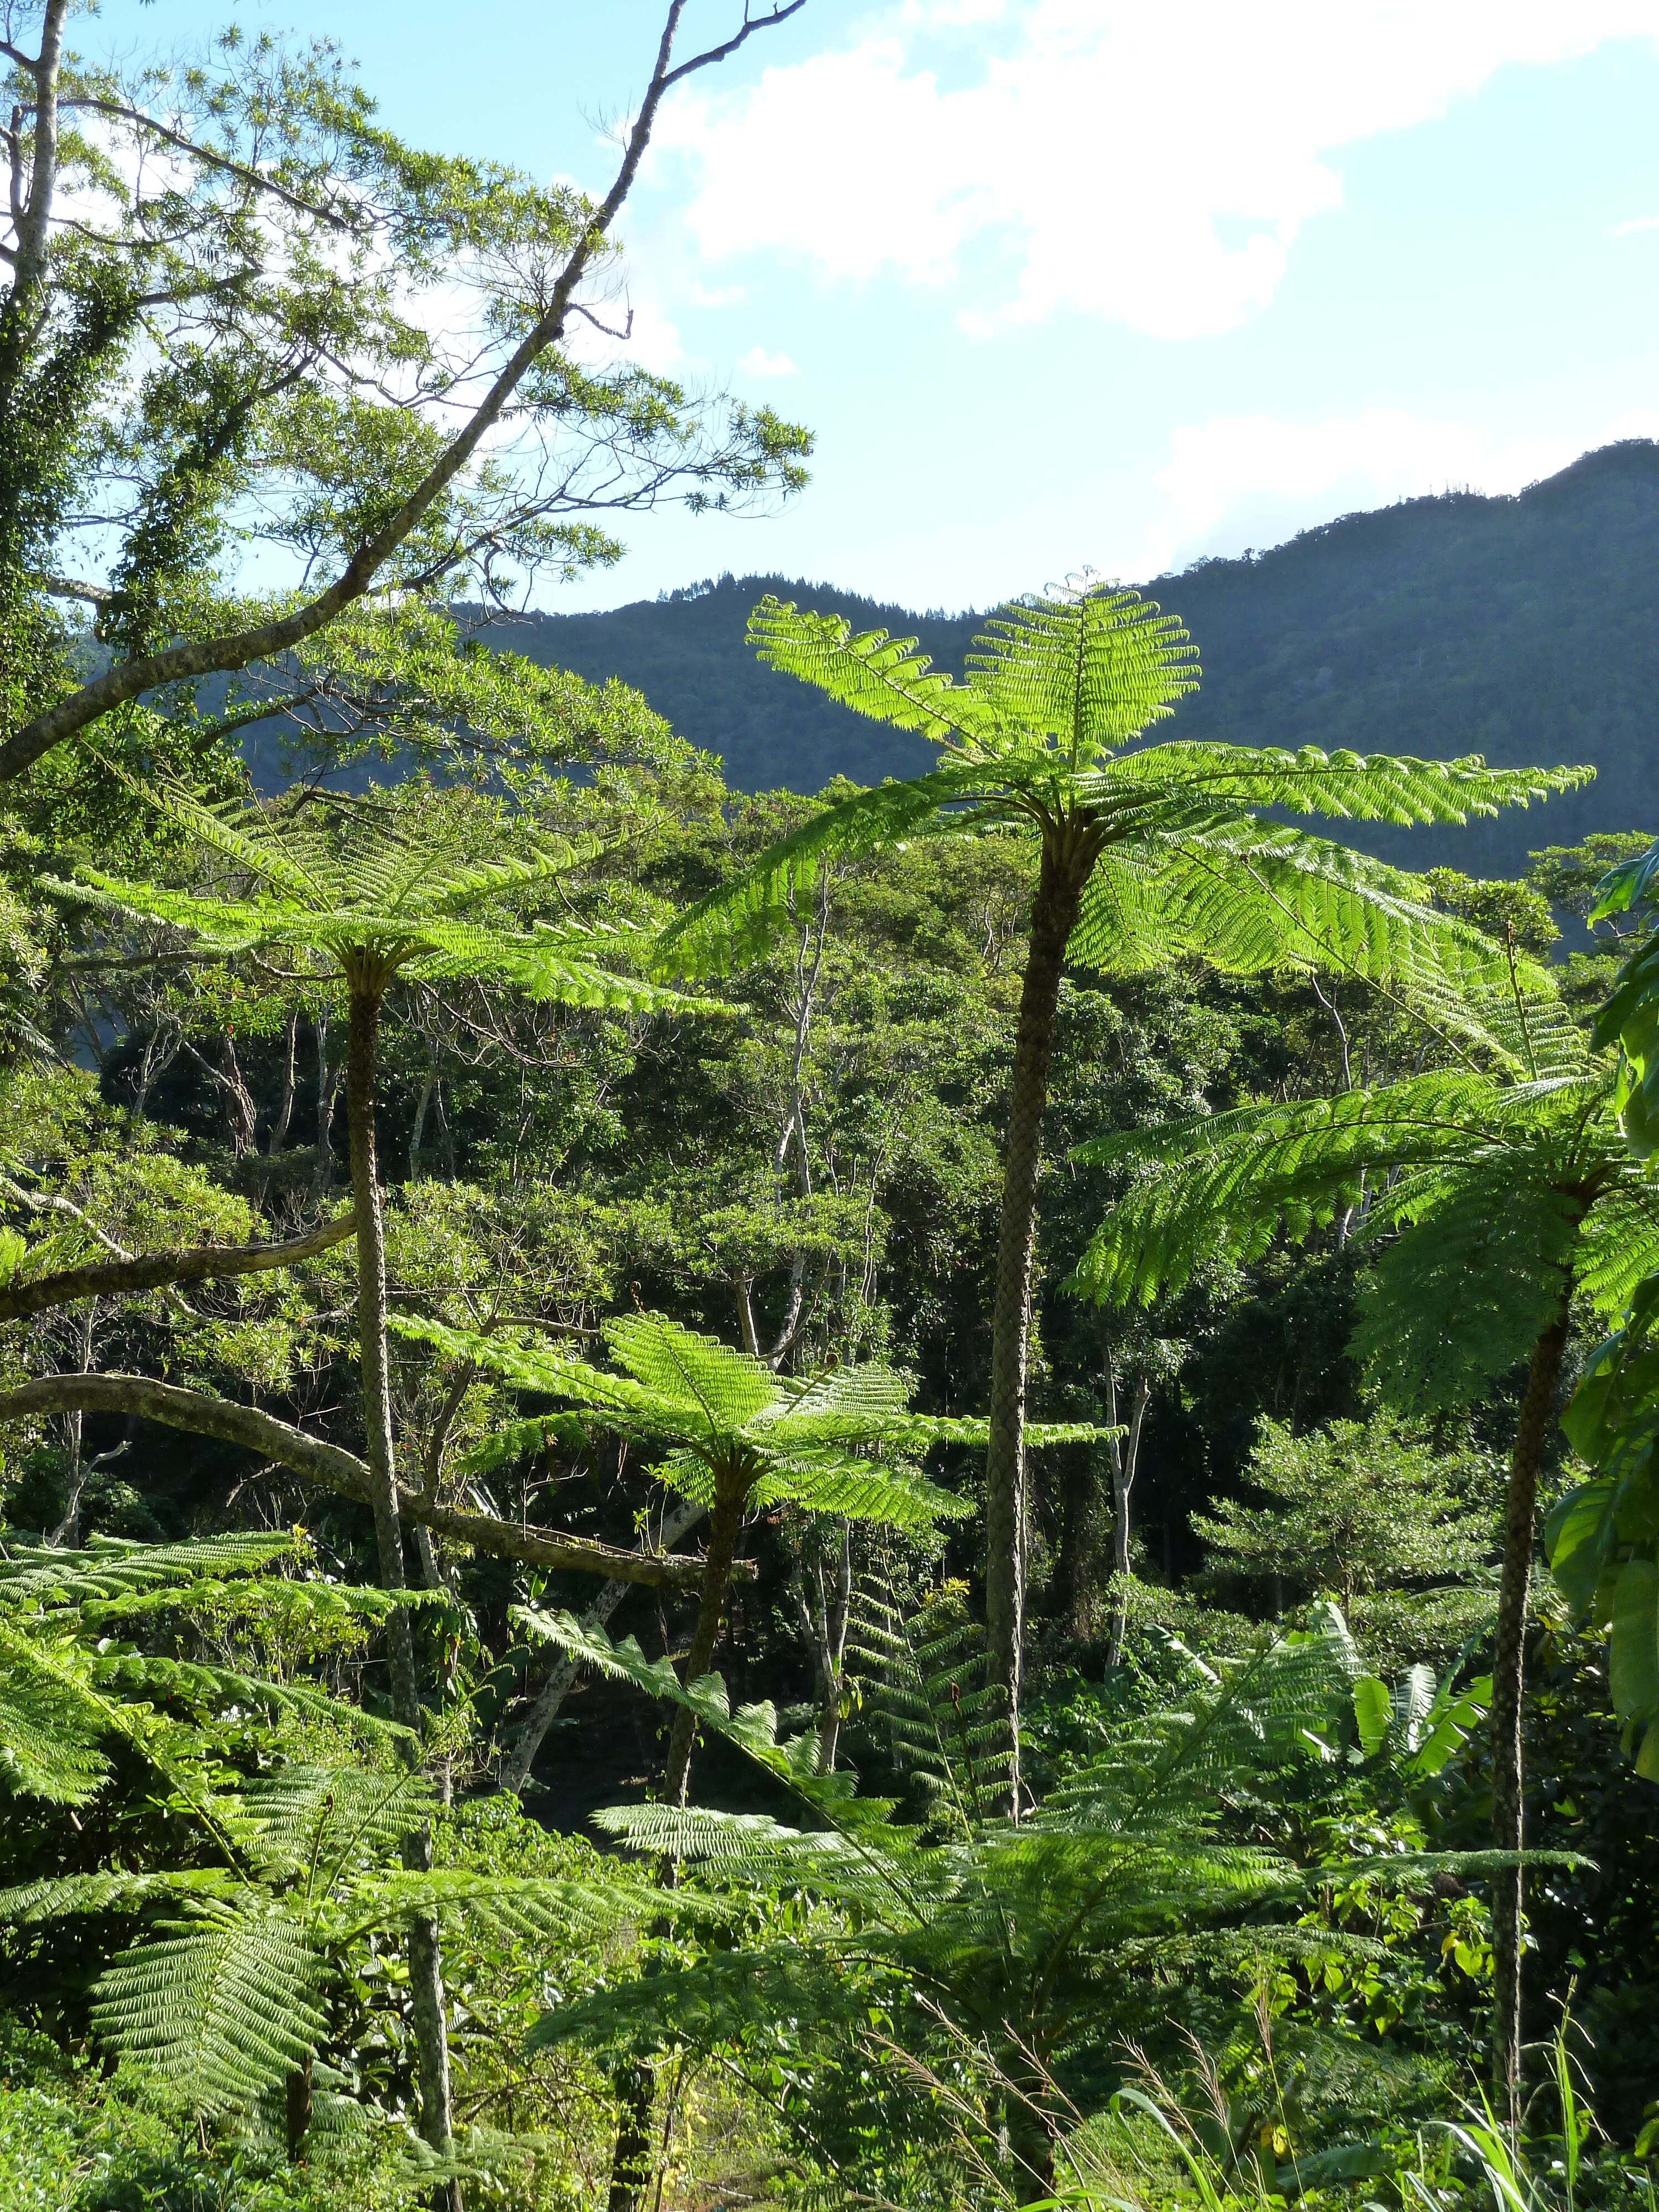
(1523, 628)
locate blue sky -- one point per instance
(1067, 283)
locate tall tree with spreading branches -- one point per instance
(215, 313)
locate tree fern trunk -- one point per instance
(297, 2113)
(1067, 855)
(724, 1527)
(425, 1961)
(1508, 1677)
(635, 2084)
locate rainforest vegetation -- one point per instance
(933, 1495)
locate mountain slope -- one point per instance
(1523, 628)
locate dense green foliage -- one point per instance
(1069, 1178)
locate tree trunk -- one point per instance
(298, 2113)
(636, 2083)
(724, 1527)
(1068, 854)
(630, 2162)
(425, 1961)
(1507, 1672)
(836, 1620)
(1125, 1455)
(284, 1113)
(328, 1085)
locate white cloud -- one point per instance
(1100, 142)
(758, 362)
(1636, 222)
(1243, 480)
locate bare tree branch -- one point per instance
(340, 1471)
(154, 1271)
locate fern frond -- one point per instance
(1226, 1184)
(737, 922)
(1346, 785)
(1458, 1300)
(874, 674)
(217, 2008)
(1089, 670)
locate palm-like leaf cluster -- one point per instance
(72, 1684)
(842, 1442)
(1030, 1943)
(1603, 1536)
(223, 1993)
(394, 898)
(1481, 1202)
(1189, 859)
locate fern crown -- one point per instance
(1041, 733)
(378, 899)
(843, 1441)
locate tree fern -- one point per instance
(216, 2007)
(1145, 853)
(375, 898)
(1486, 1204)
(222, 1995)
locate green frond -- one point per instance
(1252, 896)
(216, 2007)
(737, 922)
(1619, 1245)
(48, 1748)
(856, 1490)
(883, 676)
(1458, 1299)
(525, 1906)
(1224, 1186)
(729, 1389)
(1087, 669)
(1347, 786)
(813, 1442)
(35, 1903)
(318, 1820)
(108, 1567)
(619, 1400)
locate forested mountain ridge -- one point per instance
(1521, 627)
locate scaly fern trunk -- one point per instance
(1508, 1684)
(724, 1527)
(1069, 849)
(425, 1957)
(635, 2084)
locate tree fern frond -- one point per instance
(1619, 1245)
(522, 1905)
(1228, 1183)
(318, 1820)
(216, 2008)
(874, 673)
(737, 922)
(1347, 786)
(729, 1388)
(1089, 670)
(112, 1890)
(1459, 1300)
(112, 1566)
(1252, 896)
